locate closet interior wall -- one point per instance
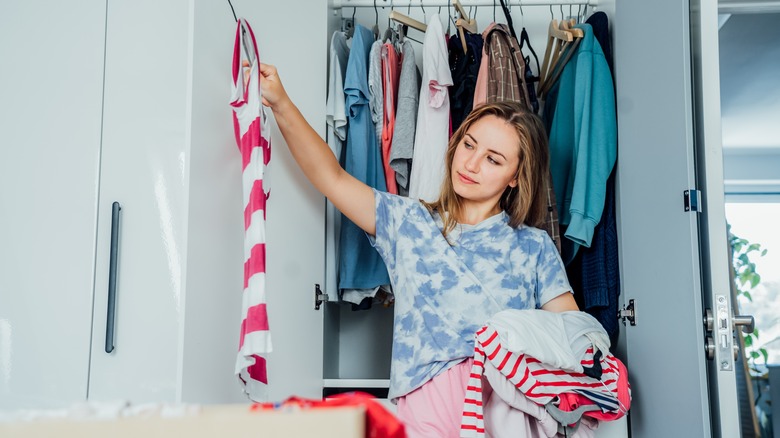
(357, 344)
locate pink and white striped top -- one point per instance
(253, 138)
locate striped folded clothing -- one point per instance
(544, 384)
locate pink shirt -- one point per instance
(391, 69)
(252, 136)
(480, 92)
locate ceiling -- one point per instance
(750, 81)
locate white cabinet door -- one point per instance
(51, 87)
(143, 167)
(292, 36)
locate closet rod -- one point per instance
(338, 4)
(742, 7)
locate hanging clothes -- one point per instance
(336, 119)
(480, 89)
(595, 272)
(501, 51)
(402, 148)
(375, 98)
(361, 270)
(253, 138)
(506, 68)
(433, 117)
(583, 140)
(464, 68)
(391, 69)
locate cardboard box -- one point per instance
(210, 421)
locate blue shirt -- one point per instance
(360, 267)
(583, 141)
(445, 293)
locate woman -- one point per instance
(455, 262)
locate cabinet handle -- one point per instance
(111, 313)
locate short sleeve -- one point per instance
(390, 211)
(551, 280)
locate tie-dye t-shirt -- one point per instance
(444, 293)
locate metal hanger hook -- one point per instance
(522, 15)
(389, 23)
(234, 11)
(376, 15)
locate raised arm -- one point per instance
(352, 197)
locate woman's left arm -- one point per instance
(562, 303)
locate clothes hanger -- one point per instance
(557, 64)
(375, 29)
(508, 17)
(408, 21)
(555, 36)
(249, 57)
(525, 39)
(464, 24)
(351, 31)
(560, 47)
(558, 68)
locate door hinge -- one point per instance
(692, 200)
(319, 297)
(628, 313)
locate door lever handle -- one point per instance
(747, 322)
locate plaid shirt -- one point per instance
(506, 81)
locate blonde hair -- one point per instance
(527, 202)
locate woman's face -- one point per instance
(486, 161)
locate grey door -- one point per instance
(674, 260)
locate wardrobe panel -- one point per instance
(215, 226)
(292, 36)
(143, 167)
(51, 85)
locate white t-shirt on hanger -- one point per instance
(433, 116)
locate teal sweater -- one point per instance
(583, 141)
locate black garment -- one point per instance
(594, 274)
(530, 80)
(600, 24)
(464, 69)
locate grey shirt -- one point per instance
(405, 118)
(376, 99)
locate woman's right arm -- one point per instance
(352, 197)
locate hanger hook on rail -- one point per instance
(234, 11)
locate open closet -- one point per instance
(138, 113)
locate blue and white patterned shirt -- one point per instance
(444, 294)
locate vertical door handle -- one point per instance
(112, 262)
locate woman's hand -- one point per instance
(271, 87)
